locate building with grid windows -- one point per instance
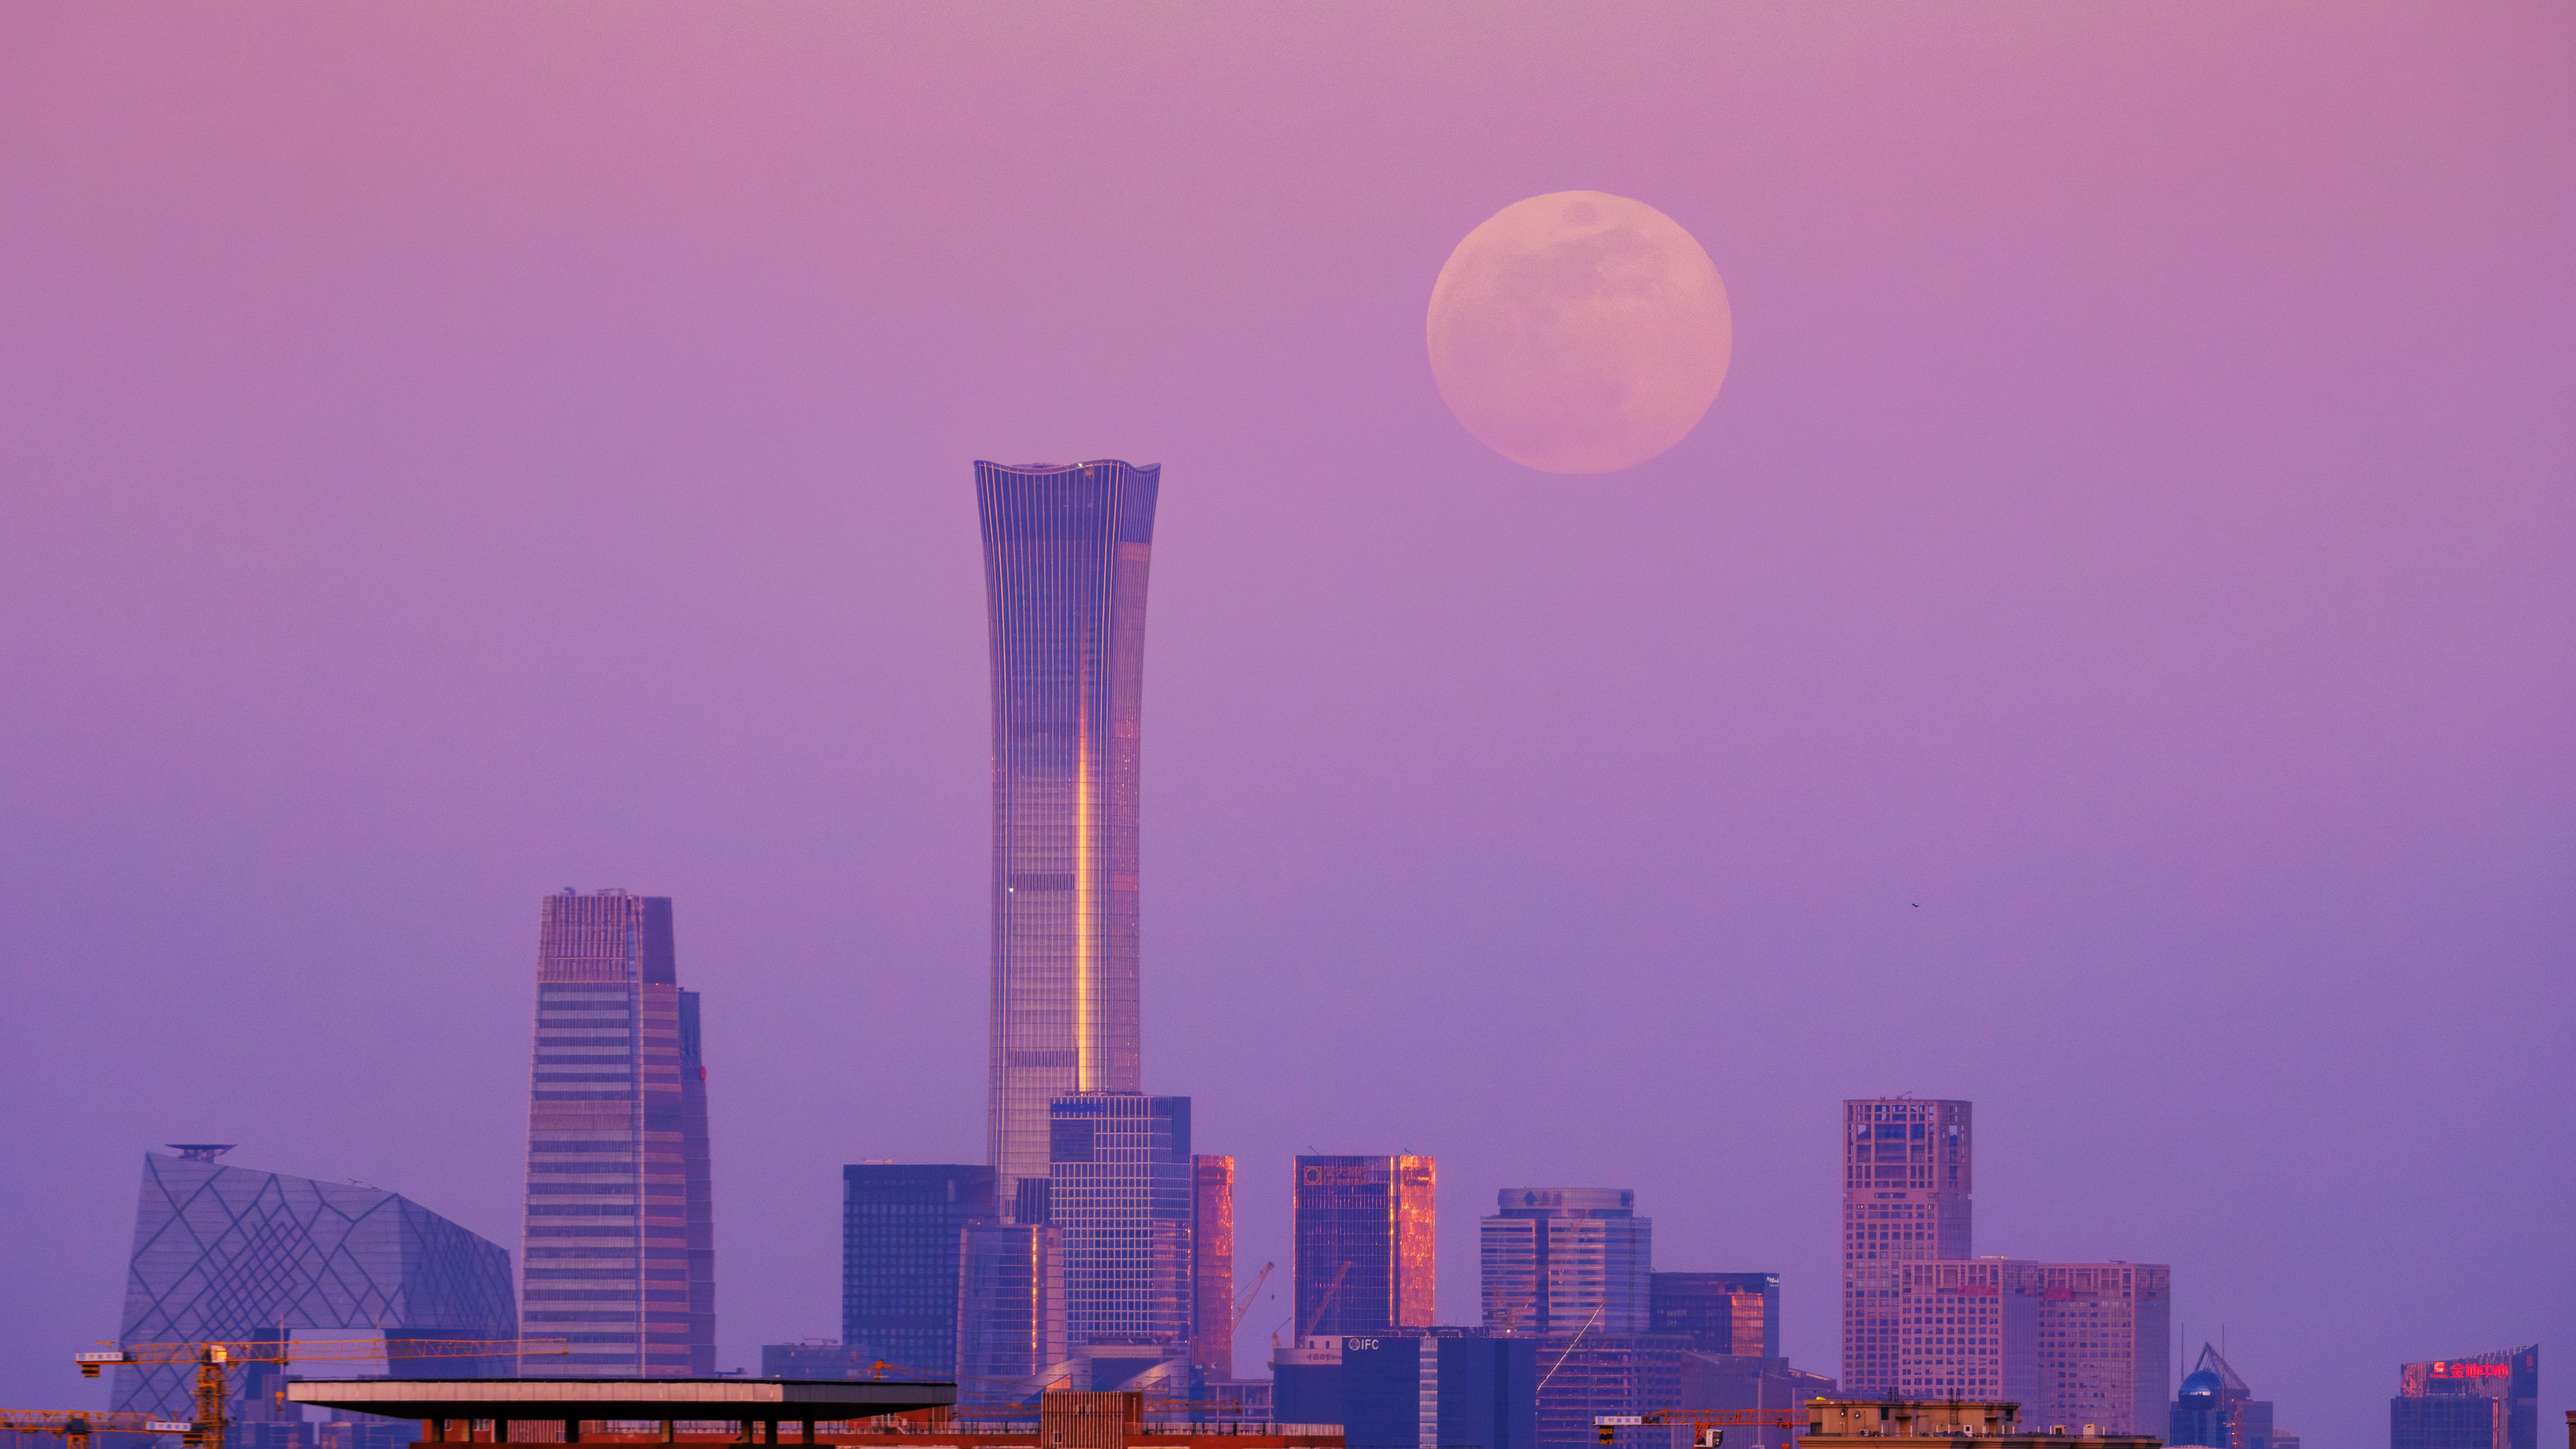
(236, 1253)
(1066, 553)
(2482, 1401)
(1907, 1191)
(1968, 1329)
(2103, 1331)
(1122, 1192)
(1564, 1260)
(1365, 1255)
(1721, 1313)
(900, 1226)
(620, 1246)
(1010, 1313)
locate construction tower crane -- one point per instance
(1243, 1305)
(75, 1426)
(214, 1360)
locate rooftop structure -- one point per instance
(1894, 1423)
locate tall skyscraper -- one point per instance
(1736, 1314)
(1212, 1268)
(1123, 1192)
(1906, 1197)
(2483, 1401)
(1011, 1341)
(620, 1255)
(1066, 552)
(230, 1253)
(899, 1241)
(1365, 1257)
(2103, 1331)
(1567, 1260)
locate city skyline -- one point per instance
(2118, 604)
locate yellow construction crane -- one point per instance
(214, 1360)
(75, 1426)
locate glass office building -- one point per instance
(1720, 1313)
(2215, 1408)
(1560, 1260)
(1435, 1387)
(234, 1253)
(620, 1247)
(1212, 1267)
(1122, 1191)
(900, 1226)
(1066, 553)
(1907, 1193)
(1010, 1314)
(1365, 1254)
(2481, 1401)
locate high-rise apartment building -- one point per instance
(1721, 1313)
(233, 1253)
(900, 1223)
(1122, 1190)
(1907, 1189)
(1212, 1267)
(1567, 1260)
(1066, 554)
(2103, 1331)
(1968, 1329)
(1011, 1341)
(2482, 1401)
(1365, 1258)
(620, 1255)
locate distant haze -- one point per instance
(2104, 655)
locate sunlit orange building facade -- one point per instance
(1364, 1244)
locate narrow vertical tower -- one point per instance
(620, 1248)
(1066, 549)
(1907, 1192)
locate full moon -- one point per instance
(1579, 332)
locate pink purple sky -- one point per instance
(456, 452)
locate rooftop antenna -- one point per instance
(200, 1151)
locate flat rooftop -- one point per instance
(757, 1400)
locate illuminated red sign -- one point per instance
(2471, 1370)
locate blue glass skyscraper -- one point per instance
(1067, 548)
(900, 1227)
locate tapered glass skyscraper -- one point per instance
(620, 1258)
(1066, 550)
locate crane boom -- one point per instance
(1243, 1305)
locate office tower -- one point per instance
(1306, 1380)
(899, 1235)
(1066, 550)
(1721, 1313)
(1010, 1313)
(1122, 1189)
(1906, 1196)
(1212, 1268)
(2215, 1409)
(1968, 1330)
(234, 1253)
(1433, 1387)
(2483, 1401)
(1365, 1259)
(620, 1254)
(1563, 1260)
(2103, 1331)
(1585, 1374)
